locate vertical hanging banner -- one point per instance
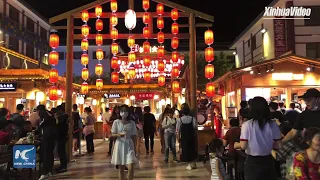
(280, 46)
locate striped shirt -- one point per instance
(222, 169)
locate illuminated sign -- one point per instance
(144, 96)
(112, 96)
(8, 86)
(287, 77)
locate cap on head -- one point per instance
(310, 93)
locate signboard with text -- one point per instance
(144, 96)
(280, 44)
(24, 156)
(112, 96)
(8, 86)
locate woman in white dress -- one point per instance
(125, 131)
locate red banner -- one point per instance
(144, 96)
(280, 45)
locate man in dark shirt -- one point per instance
(291, 114)
(62, 138)
(149, 128)
(232, 136)
(17, 118)
(274, 113)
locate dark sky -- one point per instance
(231, 16)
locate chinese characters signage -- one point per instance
(8, 86)
(144, 96)
(280, 46)
(112, 96)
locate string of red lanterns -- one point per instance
(160, 50)
(146, 45)
(85, 47)
(209, 56)
(53, 73)
(175, 54)
(114, 45)
(99, 51)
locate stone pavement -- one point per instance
(150, 167)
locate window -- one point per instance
(253, 42)
(77, 54)
(313, 50)
(248, 42)
(43, 33)
(30, 51)
(43, 58)
(314, 17)
(62, 56)
(13, 43)
(30, 24)
(14, 13)
(95, 57)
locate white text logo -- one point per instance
(283, 13)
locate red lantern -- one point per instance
(53, 93)
(114, 34)
(160, 9)
(99, 25)
(131, 56)
(114, 63)
(85, 74)
(53, 75)
(160, 22)
(146, 32)
(175, 86)
(174, 43)
(131, 41)
(161, 66)
(114, 5)
(209, 71)
(145, 4)
(85, 16)
(208, 37)
(161, 80)
(146, 18)
(99, 39)
(209, 54)
(146, 61)
(53, 58)
(84, 88)
(175, 56)
(98, 11)
(115, 77)
(175, 71)
(114, 20)
(99, 69)
(99, 84)
(114, 48)
(84, 45)
(99, 54)
(85, 30)
(174, 14)
(160, 52)
(146, 47)
(210, 90)
(84, 59)
(160, 37)
(132, 73)
(175, 28)
(54, 41)
(147, 76)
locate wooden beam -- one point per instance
(138, 14)
(186, 9)
(204, 25)
(64, 27)
(136, 36)
(131, 4)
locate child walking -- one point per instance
(217, 167)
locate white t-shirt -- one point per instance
(106, 117)
(260, 141)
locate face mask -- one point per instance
(124, 114)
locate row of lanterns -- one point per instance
(53, 61)
(160, 39)
(146, 45)
(85, 46)
(209, 57)
(175, 54)
(99, 51)
(114, 45)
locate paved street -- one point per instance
(98, 166)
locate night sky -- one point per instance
(231, 16)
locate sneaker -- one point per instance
(194, 166)
(189, 167)
(42, 177)
(166, 161)
(175, 160)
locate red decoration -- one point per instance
(99, 84)
(99, 39)
(209, 71)
(160, 9)
(174, 43)
(175, 71)
(160, 22)
(146, 32)
(146, 61)
(174, 14)
(53, 75)
(114, 63)
(131, 56)
(209, 54)
(175, 56)
(208, 37)
(160, 37)
(53, 93)
(99, 54)
(160, 52)
(132, 73)
(85, 16)
(210, 90)
(114, 48)
(84, 45)
(147, 76)
(115, 77)
(98, 11)
(53, 58)
(54, 41)
(114, 5)
(114, 20)
(84, 59)
(161, 80)
(99, 25)
(131, 41)
(161, 66)
(175, 86)
(146, 18)
(85, 30)
(84, 88)
(114, 34)
(99, 69)
(85, 74)
(146, 4)
(175, 28)
(146, 47)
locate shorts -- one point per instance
(140, 133)
(106, 128)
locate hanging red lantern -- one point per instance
(175, 71)
(84, 59)
(99, 69)
(174, 14)
(114, 48)
(53, 93)
(174, 43)
(160, 52)
(99, 39)
(84, 45)
(115, 77)
(84, 88)
(209, 54)
(85, 30)
(146, 47)
(146, 61)
(175, 86)
(161, 66)
(53, 75)
(160, 22)
(98, 11)
(131, 41)
(54, 41)
(85, 74)
(146, 32)
(160, 37)
(114, 63)
(99, 25)
(99, 84)
(208, 37)
(85, 16)
(53, 58)
(146, 4)
(114, 5)
(160, 9)
(99, 54)
(161, 80)
(146, 18)
(175, 56)
(114, 20)
(132, 73)
(114, 33)
(131, 56)
(147, 76)
(210, 90)
(175, 28)
(209, 71)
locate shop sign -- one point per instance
(287, 77)
(112, 96)
(8, 86)
(280, 45)
(144, 96)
